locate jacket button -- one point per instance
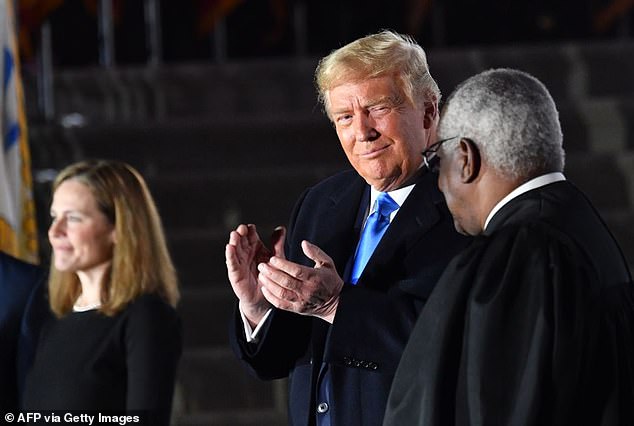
(322, 407)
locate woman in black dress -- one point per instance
(115, 344)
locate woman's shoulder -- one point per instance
(152, 328)
(151, 306)
(151, 318)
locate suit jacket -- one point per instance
(23, 309)
(374, 318)
(531, 325)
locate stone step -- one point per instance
(234, 418)
(192, 145)
(607, 68)
(550, 64)
(259, 87)
(300, 140)
(213, 381)
(199, 256)
(210, 201)
(621, 225)
(603, 179)
(253, 87)
(205, 314)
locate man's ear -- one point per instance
(431, 114)
(470, 160)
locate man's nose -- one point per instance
(364, 128)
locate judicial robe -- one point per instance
(533, 324)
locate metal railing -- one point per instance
(297, 22)
(153, 44)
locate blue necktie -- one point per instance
(374, 229)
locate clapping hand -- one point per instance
(302, 289)
(244, 251)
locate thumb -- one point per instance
(316, 254)
(278, 238)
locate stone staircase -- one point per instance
(234, 143)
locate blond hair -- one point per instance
(141, 262)
(377, 55)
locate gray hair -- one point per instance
(377, 55)
(511, 118)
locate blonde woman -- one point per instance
(116, 341)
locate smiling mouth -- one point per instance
(374, 153)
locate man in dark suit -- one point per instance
(22, 310)
(533, 324)
(315, 312)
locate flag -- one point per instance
(18, 229)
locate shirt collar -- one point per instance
(534, 183)
(398, 195)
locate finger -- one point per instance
(234, 271)
(242, 230)
(234, 255)
(237, 238)
(281, 301)
(280, 292)
(277, 241)
(230, 256)
(298, 272)
(234, 238)
(278, 302)
(279, 278)
(316, 254)
(240, 246)
(252, 234)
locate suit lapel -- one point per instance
(344, 217)
(415, 217)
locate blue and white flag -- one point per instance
(18, 229)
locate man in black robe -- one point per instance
(533, 324)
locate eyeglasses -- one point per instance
(430, 155)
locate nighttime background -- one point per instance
(234, 137)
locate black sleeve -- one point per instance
(153, 348)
